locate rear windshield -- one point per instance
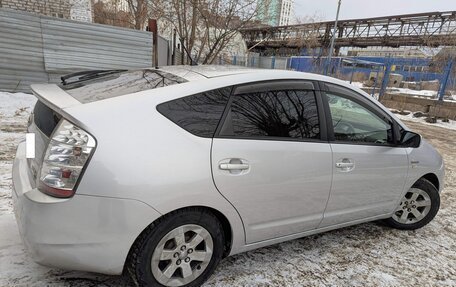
(119, 84)
(45, 118)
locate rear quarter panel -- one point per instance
(142, 155)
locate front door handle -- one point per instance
(345, 164)
(233, 166)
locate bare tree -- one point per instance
(311, 36)
(123, 13)
(277, 113)
(306, 33)
(138, 11)
(205, 27)
(111, 13)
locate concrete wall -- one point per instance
(81, 10)
(436, 108)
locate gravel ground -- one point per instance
(364, 255)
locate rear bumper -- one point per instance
(88, 233)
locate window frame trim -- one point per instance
(365, 103)
(277, 85)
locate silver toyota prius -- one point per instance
(163, 172)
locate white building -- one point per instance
(286, 13)
(276, 12)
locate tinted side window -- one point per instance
(285, 114)
(354, 123)
(198, 114)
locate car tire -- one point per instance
(426, 203)
(170, 234)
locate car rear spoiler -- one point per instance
(53, 96)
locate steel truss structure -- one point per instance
(425, 29)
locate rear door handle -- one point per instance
(233, 166)
(344, 164)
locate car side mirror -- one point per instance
(410, 139)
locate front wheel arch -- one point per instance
(432, 178)
(434, 198)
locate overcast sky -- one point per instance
(350, 9)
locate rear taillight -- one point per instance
(66, 156)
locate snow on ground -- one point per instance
(421, 93)
(363, 255)
(356, 84)
(14, 112)
(448, 125)
(15, 103)
(413, 93)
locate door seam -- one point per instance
(215, 185)
(330, 186)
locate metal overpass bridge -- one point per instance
(425, 29)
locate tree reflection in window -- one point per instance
(199, 114)
(288, 114)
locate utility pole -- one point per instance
(173, 59)
(154, 29)
(331, 48)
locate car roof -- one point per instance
(206, 71)
(212, 71)
(191, 73)
(229, 72)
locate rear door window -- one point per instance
(279, 114)
(198, 114)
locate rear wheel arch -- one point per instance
(224, 222)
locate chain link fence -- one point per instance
(415, 76)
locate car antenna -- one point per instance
(192, 62)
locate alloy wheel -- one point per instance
(414, 206)
(182, 255)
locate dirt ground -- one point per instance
(364, 255)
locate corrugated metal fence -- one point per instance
(37, 49)
(21, 51)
